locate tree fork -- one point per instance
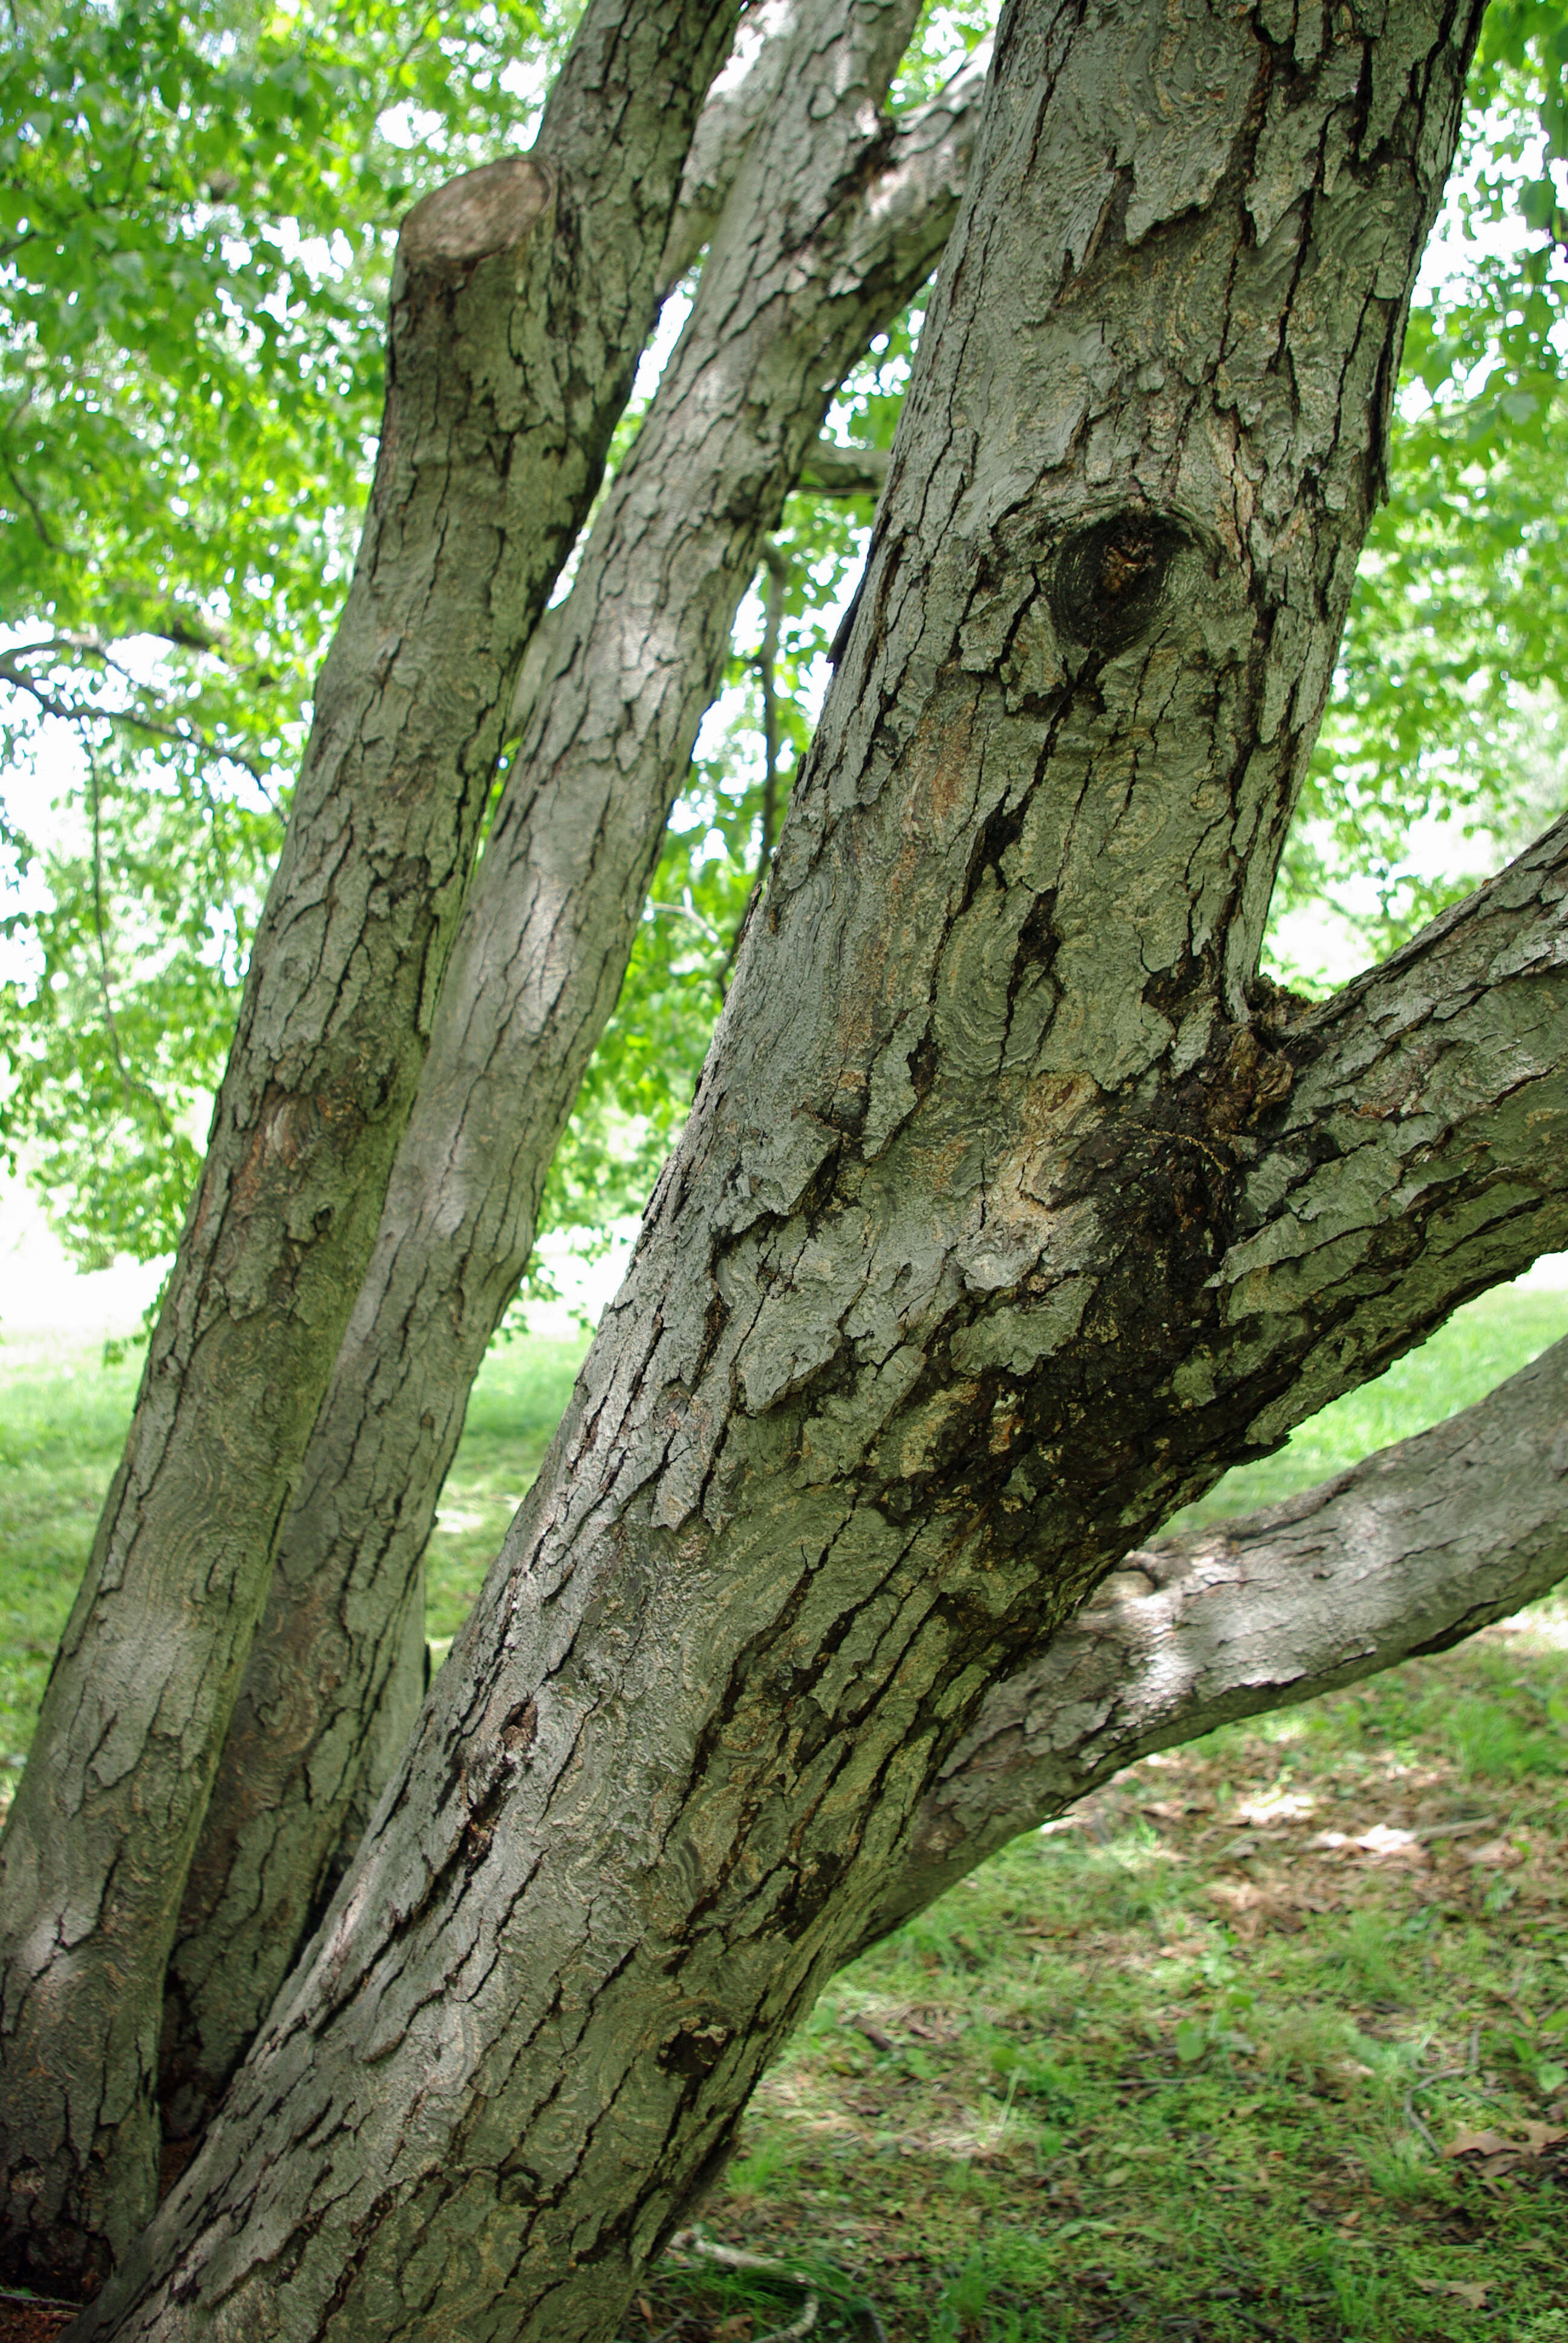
(513, 342)
(997, 1230)
(1407, 1553)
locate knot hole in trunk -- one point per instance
(1108, 579)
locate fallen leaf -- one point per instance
(1384, 1840)
(1497, 1854)
(1492, 2145)
(1473, 2295)
(1479, 2143)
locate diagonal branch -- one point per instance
(1415, 1160)
(1409, 1552)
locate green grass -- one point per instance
(513, 1410)
(63, 1416)
(1137, 2079)
(1181, 2069)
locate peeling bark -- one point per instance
(521, 298)
(1409, 1552)
(837, 220)
(983, 1245)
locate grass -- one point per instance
(513, 1410)
(1267, 2039)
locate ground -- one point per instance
(1269, 2039)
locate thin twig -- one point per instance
(187, 736)
(688, 910)
(801, 2325)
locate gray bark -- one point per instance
(988, 1152)
(1410, 1552)
(521, 298)
(835, 222)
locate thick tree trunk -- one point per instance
(1410, 1552)
(835, 222)
(521, 299)
(996, 1231)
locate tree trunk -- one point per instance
(521, 298)
(998, 1228)
(834, 223)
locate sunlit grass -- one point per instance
(1132, 2081)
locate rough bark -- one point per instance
(836, 220)
(900, 1369)
(521, 298)
(1410, 1552)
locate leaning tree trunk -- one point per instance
(1001, 1225)
(521, 299)
(835, 222)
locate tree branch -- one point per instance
(608, 703)
(832, 470)
(130, 719)
(1410, 1552)
(1409, 1148)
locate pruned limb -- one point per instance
(610, 698)
(512, 348)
